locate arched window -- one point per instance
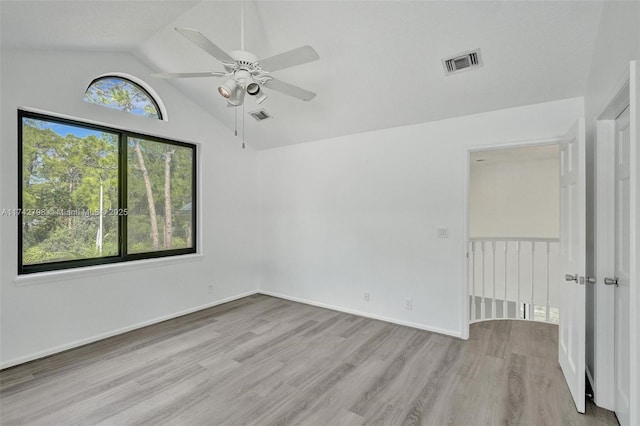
(122, 93)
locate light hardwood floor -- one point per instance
(266, 361)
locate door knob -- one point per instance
(569, 277)
(611, 281)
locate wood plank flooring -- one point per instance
(267, 361)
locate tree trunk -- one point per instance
(152, 206)
(70, 218)
(168, 229)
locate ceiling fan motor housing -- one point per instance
(244, 58)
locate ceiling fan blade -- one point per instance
(294, 57)
(289, 89)
(205, 44)
(187, 74)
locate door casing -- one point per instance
(603, 376)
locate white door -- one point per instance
(572, 327)
(621, 281)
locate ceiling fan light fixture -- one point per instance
(228, 88)
(223, 92)
(253, 88)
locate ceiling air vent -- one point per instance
(462, 61)
(260, 114)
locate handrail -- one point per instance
(535, 239)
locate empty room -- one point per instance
(319, 212)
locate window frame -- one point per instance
(138, 86)
(123, 255)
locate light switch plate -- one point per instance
(442, 232)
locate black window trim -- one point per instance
(156, 104)
(122, 256)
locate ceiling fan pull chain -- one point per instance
(243, 147)
(235, 121)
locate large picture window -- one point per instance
(92, 195)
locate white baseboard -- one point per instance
(419, 326)
(82, 342)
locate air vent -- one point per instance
(462, 61)
(260, 114)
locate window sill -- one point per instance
(111, 268)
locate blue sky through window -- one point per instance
(64, 130)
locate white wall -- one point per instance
(617, 44)
(514, 199)
(359, 213)
(56, 311)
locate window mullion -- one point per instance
(122, 193)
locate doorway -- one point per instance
(571, 228)
(513, 247)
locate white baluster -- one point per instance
(518, 307)
(533, 267)
(505, 303)
(482, 306)
(547, 281)
(493, 303)
(473, 281)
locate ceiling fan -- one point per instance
(246, 73)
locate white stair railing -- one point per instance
(513, 278)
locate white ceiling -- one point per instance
(87, 24)
(380, 61)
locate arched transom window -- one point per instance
(123, 94)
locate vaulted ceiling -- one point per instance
(380, 61)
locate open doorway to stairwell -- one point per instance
(514, 227)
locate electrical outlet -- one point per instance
(408, 304)
(210, 289)
(366, 296)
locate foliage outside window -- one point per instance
(122, 94)
(159, 194)
(92, 195)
